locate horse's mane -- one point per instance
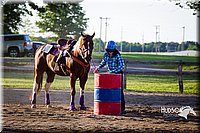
(77, 46)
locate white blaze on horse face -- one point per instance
(47, 86)
(35, 86)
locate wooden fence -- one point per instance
(179, 72)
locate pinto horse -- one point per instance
(76, 66)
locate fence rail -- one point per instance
(179, 72)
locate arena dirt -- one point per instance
(143, 113)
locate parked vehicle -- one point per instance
(36, 45)
(16, 44)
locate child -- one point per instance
(115, 63)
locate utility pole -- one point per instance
(121, 38)
(182, 48)
(157, 37)
(100, 33)
(143, 42)
(106, 25)
(198, 27)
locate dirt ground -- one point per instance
(143, 113)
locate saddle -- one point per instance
(63, 44)
(61, 49)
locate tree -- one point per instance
(12, 15)
(98, 45)
(192, 4)
(63, 19)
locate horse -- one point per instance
(76, 66)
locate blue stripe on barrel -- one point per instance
(107, 95)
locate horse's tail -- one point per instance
(39, 85)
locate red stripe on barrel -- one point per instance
(111, 85)
(107, 80)
(107, 108)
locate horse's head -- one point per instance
(86, 46)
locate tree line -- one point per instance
(148, 47)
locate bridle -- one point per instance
(86, 52)
(86, 62)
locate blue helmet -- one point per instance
(110, 46)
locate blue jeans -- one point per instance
(122, 93)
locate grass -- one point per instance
(134, 57)
(162, 83)
(144, 83)
(172, 66)
(152, 57)
(140, 83)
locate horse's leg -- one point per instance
(82, 88)
(33, 99)
(50, 79)
(36, 87)
(72, 92)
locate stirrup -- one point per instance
(56, 68)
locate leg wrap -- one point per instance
(82, 100)
(47, 99)
(33, 101)
(72, 106)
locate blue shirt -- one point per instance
(115, 63)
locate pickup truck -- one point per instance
(16, 44)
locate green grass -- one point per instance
(162, 83)
(135, 57)
(172, 66)
(144, 83)
(140, 83)
(151, 57)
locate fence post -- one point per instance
(124, 75)
(180, 79)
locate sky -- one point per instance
(136, 20)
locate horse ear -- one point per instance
(83, 34)
(93, 34)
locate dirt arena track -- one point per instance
(143, 113)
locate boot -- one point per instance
(56, 67)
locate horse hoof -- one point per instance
(49, 106)
(33, 106)
(82, 108)
(72, 108)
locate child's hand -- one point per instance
(96, 71)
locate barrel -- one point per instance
(107, 94)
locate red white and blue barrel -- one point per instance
(107, 94)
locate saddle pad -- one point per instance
(47, 48)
